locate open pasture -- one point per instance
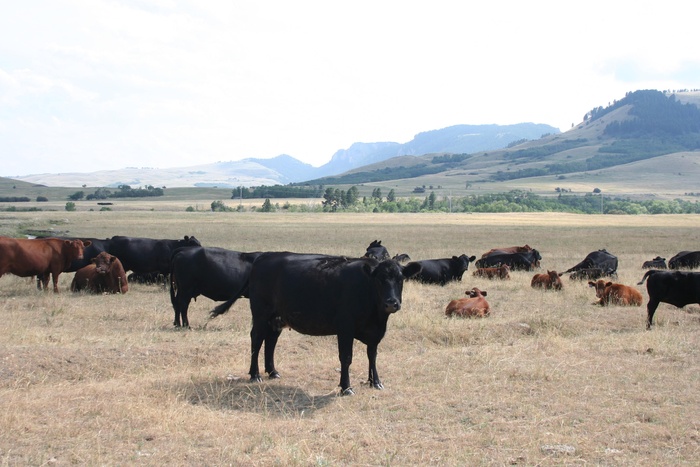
(547, 379)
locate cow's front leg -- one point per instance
(345, 355)
(373, 379)
(270, 344)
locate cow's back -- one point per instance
(313, 294)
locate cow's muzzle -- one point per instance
(392, 305)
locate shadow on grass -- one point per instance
(264, 398)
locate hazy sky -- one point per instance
(89, 85)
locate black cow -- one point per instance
(146, 255)
(443, 270)
(679, 288)
(656, 263)
(591, 274)
(600, 259)
(216, 273)
(401, 258)
(685, 260)
(377, 251)
(527, 261)
(322, 295)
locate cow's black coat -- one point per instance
(377, 251)
(527, 261)
(600, 259)
(216, 273)
(656, 263)
(679, 288)
(144, 255)
(685, 260)
(443, 270)
(322, 295)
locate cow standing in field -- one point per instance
(322, 295)
(443, 270)
(147, 255)
(500, 272)
(609, 293)
(474, 306)
(216, 273)
(679, 288)
(39, 257)
(105, 274)
(549, 281)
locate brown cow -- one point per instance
(507, 250)
(615, 294)
(547, 281)
(475, 306)
(501, 272)
(105, 274)
(39, 257)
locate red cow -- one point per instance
(39, 257)
(615, 294)
(105, 274)
(474, 306)
(507, 250)
(547, 281)
(501, 272)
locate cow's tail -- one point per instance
(648, 273)
(224, 307)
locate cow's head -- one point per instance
(190, 241)
(459, 264)
(377, 251)
(474, 292)
(387, 281)
(599, 286)
(103, 262)
(75, 248)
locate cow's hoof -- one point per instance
(347, 392)
(256, 379)
(274, 375)
(377, 385)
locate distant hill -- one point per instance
(642, 125)
(285, 169)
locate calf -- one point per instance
(548, 281)
(322, 295)
(500, 272)
(105, 275)
(475, 306)
(679, 288)
(39, 257)
(610, 293)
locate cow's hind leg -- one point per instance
(651, 309)
(270, 344)
(373, 379)
(345, 355)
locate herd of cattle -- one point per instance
(316, 294)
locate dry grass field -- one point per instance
(547, 379)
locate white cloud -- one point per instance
(99, 84)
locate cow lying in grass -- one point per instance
(610, 293)
(500, 272)
(548, 281)
(474, 306)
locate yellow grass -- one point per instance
(548, 379)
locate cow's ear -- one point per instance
(591, 284)
(411, 269)
(484, 293)
(608, 284)
(472, 258)
(454, 258)
(87, 243)
(367, 268)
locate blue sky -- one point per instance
(90, 85)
